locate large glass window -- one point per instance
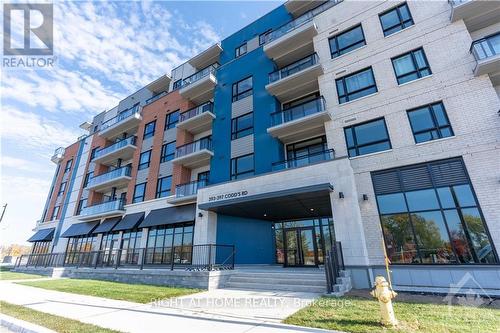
(242, 167)
(163, 187)
(131, 244)
(240, 50)
(171, 120)
(396, 19)
(427, 221)
(242, 89)
(40, 248)
(429, 122)
(144, 160)
(242, 126)
(347, 41)
(77, 245)
(169, 243)
(411, 66)
(356, 85)
(68, 166)
(149, 129)
(367, 138)
(55, 212)
(167, 152)
(139, 192)
(62, 188)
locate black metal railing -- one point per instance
(321, 156)
(190, 257)
(294, 67)
(298, 111)
(334, 264)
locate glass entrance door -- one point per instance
(300, 247)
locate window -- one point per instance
(177, 84)
(149, 130)
(62, 188)
(263, 37)
(241, 50)
(347, 41)
(68, 166)
(92, 153)
(356, 85)
(55, 212)
(242, 89)
(429, 122)
(242, 126)
(163, 187)
(130, 245)
(79, 244)
(396, 19)
(367, 138)
(306, 152)
(167, 152)
(171, 241)
(411, 66)
(203, 176)
(139, 191)
(172, 120)
(144, 160)
(40, 248)
(81, 205)
(242, 167)
(88, 177)
(429, 215)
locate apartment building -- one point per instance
(370, 124)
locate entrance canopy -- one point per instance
(302, 202)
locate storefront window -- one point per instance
(77, 246)
(170, 242)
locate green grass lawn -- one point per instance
(6, 274)
(56, 323)
(139, 293)
(356, 314)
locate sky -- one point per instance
(104, 52)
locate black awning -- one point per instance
(42, 235)
(129, 221)
(107, 225)
(302, 202)
(80, 229)
(169, 215)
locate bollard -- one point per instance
(385, 296)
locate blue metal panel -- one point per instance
(253, 239)
(256, 64)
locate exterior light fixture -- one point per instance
(200, 214)
(341, 195)
(312, 209)
(365, 197)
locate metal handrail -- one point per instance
(298, 111)
(208, 106)
(121, 117)
(325, 155)
(191, 188)
(119, 172)
(115, 146)
(204, 143)
(334, 264)
(294, 67)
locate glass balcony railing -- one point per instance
(188, 189)
(300, 21)
(293, 68)
(110, 175)
(115, 146)
(486, 47)
(121, 117)
(196, 111)
(156, 97)
(205, 143)
(103, 207)
(298, 111)
(455, 3)
(199, 75)
(321, 156)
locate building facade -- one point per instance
(373, 124)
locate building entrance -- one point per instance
(300, 247)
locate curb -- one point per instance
(21, 326)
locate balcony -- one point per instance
(156, 97)
(115, 178)
(299, 7)
(124, 122)
(296, 79)
(207, 57)
(198, 119)
(200, 86)
(58, 155)
(477, 14)
(187, 192)
(294, 40)
(123, 149)
(194, 154)
(321, 156)
(487, 54)
(103, 209)
(299, 122)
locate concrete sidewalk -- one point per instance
(215, 311)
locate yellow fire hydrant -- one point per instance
(385, 296)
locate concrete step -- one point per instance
(277, 280)
(282, 287)
(282, 276)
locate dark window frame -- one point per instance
(159, 192)
(177, 84)
(263, 37)
(88, 177)
(169, 124)
(417, 70)
(164, 157)
(69, 164)
(238, 50)
(236, 132)
(55, 213)
(236, 94)
(436, 127)
(81, 205)
(339, 51)
(234, 174)
(144, 165)
(149, 131)
(401, 23)
(356, 146)
(92, 153)
(347, 94)
(139, 198)
(62, 188)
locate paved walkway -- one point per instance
(218, 311)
